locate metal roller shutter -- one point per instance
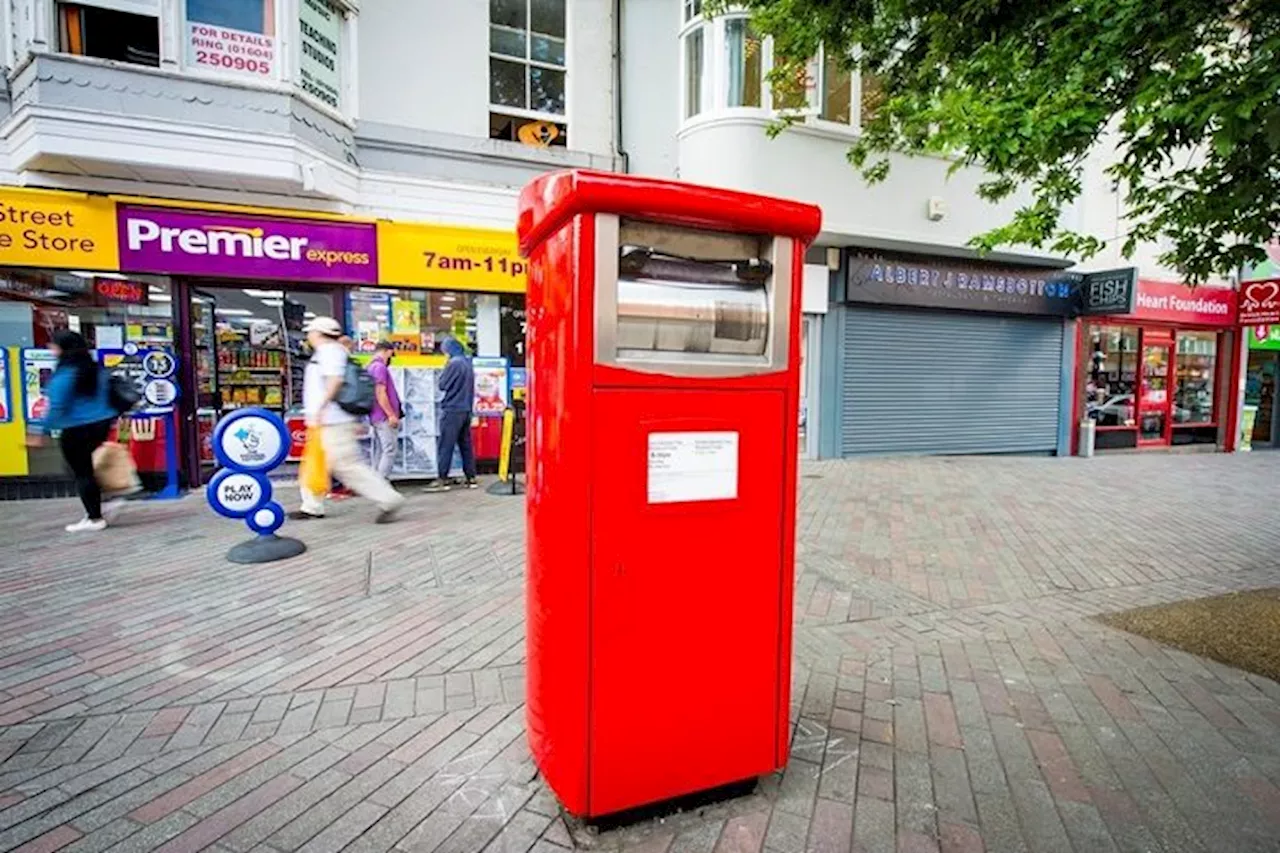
(949, 382)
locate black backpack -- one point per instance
(355, 397)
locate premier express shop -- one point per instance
(227, 290)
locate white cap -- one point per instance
(326, 326)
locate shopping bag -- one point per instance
(114, 470)
(313, 471)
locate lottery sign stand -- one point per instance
(247, 445)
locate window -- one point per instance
(836, 91)
(107, 32)
(873, 96)
(1110, 372)
(744, 61)
(1194, 368)
(527, 63)
(232, 36)
(694, 71)
(319, 56)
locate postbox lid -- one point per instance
(550, 201)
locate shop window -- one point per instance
(1195, 366)
(235, 37)
(122, 31)
(110, 310)
(320, 28)
(745, 63)
(527, 65)
(1110, 371)
(513, 327)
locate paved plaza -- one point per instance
(951, 691)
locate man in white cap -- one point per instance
(320, 386)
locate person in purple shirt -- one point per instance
(387, 411)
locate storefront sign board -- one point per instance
(1175, 302)
(57, 229)
(1264, 337)
(417, 255)
(970, 286)
(1259, 302)
(1108, 292)
(210, 243)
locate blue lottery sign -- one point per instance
(248, 444)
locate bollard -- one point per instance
(1088, 434)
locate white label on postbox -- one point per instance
(692, 466)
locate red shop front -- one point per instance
(1160, 376)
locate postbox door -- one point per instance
(687, 499)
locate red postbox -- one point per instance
(663, 355)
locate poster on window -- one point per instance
(37, 369)
(320, 25)
(232, 36)
(6, 401)
(491, 386)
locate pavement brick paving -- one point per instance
(951, 693)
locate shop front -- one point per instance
(1155, 370)
(226, 291)
(940, 356)
(1262, 378)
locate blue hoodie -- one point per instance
(457, 380)
(67, 409)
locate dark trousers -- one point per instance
(78, 444)
(455, 430)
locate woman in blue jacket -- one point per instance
(79, 406)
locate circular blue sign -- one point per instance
(238, 494)
(266, 519)
(251, 440)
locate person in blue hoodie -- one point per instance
(457, 387)
(79, 406)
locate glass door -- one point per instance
(208, 393)
(1260, 390)
(1154, 399)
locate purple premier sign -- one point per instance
(225, 245)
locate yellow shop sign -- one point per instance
(44, 228)
(450, 258)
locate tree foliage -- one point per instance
(1189, 92)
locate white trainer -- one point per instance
(87, 525)
(111, 508)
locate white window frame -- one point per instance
(706, 100)
(529, 62)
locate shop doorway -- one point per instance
(1260, 390)
(246, 349)
(1153, 399)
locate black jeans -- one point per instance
(78, 444)
(455, 430)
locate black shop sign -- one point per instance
(929, 282)
(1108, 292)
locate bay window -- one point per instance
(238, 39)
(725, 64)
